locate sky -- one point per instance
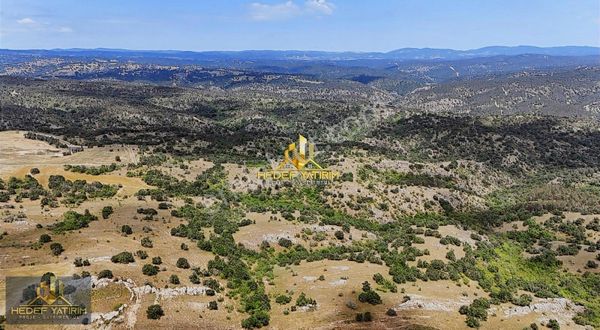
(331, 25)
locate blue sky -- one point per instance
(335, 25)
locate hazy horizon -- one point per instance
(294, 50)
(299, 50)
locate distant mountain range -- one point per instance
(402, 54)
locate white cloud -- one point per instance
(65, 29)
(289, 9)
(26, 21)
(264, 12)
(320, 6)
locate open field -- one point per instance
(333, 284)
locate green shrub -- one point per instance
(284, 242)
(142, 254)
(174, 279)
(451, 256)
(412, 179)
(258, 319)
(123, 258)
(368, 295)
(73, 221)
(104, 274)
(149, 270)
(182, 263)
(80, 263)
(4, 196)
(126, 229)
(283, 299)
(347, 176)
(106, 212)
(303, 300)
(92, 170)
(45, 238)
(568, 250)
(364, 317)
(212, 283)
(155, 312)
(475, 312)
(386, 284)
(523, 300)
(56, 249)
(450, 240)
(146, 242)
(194, 278)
